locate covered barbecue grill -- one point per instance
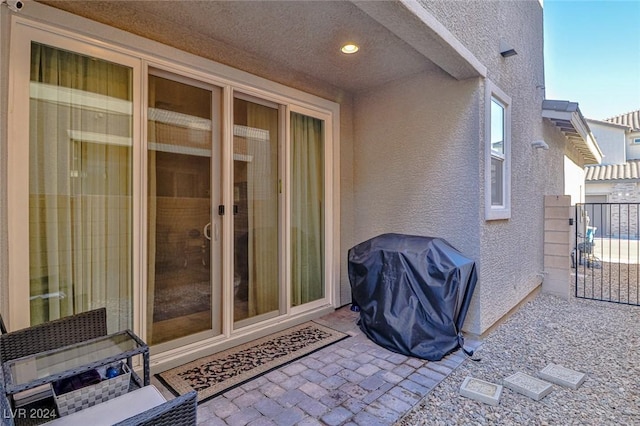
(413, 293)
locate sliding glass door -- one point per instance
(183, 274)
(307, 209)
(256, 211)
(197, 209)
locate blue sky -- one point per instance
(592, 54)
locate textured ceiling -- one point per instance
(304, 36)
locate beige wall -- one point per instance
(557, 245)
(347, 203)
(574, 185)
(416, 160)
(633, 149)
(611, 140)
(511, 251)
(419, 147)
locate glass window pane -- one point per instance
(307, 215)
(497, 127)
(179, 279)
(80, 186)
(255, 180)
(497, 181)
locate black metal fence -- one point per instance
(606, 254)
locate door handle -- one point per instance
(207, 231)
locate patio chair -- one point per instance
(44, 337)
(53, 334)
(180, 411)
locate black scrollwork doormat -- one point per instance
(215, 374)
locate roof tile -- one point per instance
(628, 170)
(630, 119)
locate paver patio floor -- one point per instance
(350, 382)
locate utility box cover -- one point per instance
(413, 293)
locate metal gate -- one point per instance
(606, 255)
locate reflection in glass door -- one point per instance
(255, 180)
(183, 285)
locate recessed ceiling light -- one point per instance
(349, 48)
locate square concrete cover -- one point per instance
(562, 376)
(480, 390)
(528, 386)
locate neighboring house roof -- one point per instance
(622, 127)
(628, 170)
(568, 118)
(630, 119)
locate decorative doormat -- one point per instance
(214, 374)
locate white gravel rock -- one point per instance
(600, 339)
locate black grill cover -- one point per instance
(413, 293)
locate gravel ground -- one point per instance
(600, 339)
(617, 282)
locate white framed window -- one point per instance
(497, 153)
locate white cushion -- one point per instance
(115, 410)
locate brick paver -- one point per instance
(352, 382)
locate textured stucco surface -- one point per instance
(611, 140)
(511, 251)
(347, 224)
(633, 149)
(415, 160)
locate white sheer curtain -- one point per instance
(262, 193)
(80, 187)
(307, 217)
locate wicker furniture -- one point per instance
(50, 335)
(53, 334)
(41, 368)
(180, 411)
(71, 345)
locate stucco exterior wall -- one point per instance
(611, 140)
(574, 173)
(416, 160)
(574, 185)
(347, 203)
(511, 251)
(633, 149)
(599, 189)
